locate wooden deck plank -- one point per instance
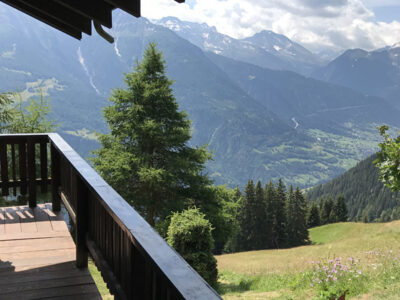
(2, 219)
(33, 245)
(40, 257)
(42, 220)
(37, 257)
(88, 296)
(37, 235)
(20, 277)
(56, 218)
(12, 223)
(45, 284)
(27, 219)
(69, 265)
(76, 290)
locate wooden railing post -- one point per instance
(80, 191)
(22, 166)
(43, 166)
(55, 178)
(4, 168)
(31, 174)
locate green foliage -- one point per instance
(365, 194)
(296, 216)
(32, 118)
(223, 218)
(270, 197)
(334, 277)
(6, 112)
(146, 156)
(339, 210)
(252, 219)
(15, 117)
(279, 237)
(326, 211)
(269, 218)
(189, 233)
(313, 218)
(388, 161)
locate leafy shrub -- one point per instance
(189, 233)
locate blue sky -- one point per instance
(387, 13)
(317, 24)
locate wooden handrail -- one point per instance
(134, 260)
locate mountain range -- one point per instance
(266, 48)
(248, 99)
(371, 72)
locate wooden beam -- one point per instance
(44, 18)
(61, 13)
(97, 10)
(130, 6)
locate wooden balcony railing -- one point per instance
(136, 263)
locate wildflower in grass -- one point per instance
(335, 276)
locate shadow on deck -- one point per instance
(37, 257)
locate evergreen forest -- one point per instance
(367, 198)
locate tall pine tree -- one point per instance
(279, 219)
(246, 219)
(339, 210)
(270, 195)
(252, 218)
(291, 217)
(297, 230)
(260, 219)
(326, 210)
(313, 218)
(146, 156)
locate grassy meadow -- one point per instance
(360, 258)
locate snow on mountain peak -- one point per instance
(397, 45)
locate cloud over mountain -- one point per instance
(335, 24)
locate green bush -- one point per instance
(189, 233)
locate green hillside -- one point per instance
(364, 193)
(372, 249)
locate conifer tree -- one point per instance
(313, 219)
(246, 220)
(279, 220)
(270, 195)
(146, 156)
(339, 210)
(252, 218)
(260, 219)
(301, 228)
(237, 194)
(297, 232)
(290, 217)
(326, 210)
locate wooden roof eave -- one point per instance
(74, 17)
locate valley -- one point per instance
(242, 110)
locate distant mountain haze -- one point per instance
(260, 119)
(266, 49)
(374, 73)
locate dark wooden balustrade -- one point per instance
(135, 261)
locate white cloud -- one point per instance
(336, 24)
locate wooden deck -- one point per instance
(37, 257)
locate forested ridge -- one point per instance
(366, 197)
